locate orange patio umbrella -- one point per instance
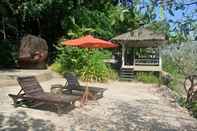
(90, 42)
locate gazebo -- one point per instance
(140, 51)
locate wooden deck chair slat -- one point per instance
(73, 84)
(34, 92)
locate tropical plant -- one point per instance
(96, 69)
(8, 54)
(85, 21)
(71, 59)
(87, 63)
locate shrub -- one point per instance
(87, 63)
(8, 54)
(147, 77)
(182, 57)
(70, 59)
(57, 67)
(169, 66)
(193, 108)
(96, 69)
(180, 61)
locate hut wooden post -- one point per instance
(123, 53)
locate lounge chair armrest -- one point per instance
(16, 96)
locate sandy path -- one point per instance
(126, 106)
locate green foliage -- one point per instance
(183, 58)
(104, 23)
(169, 66)
(180, 60)
(96, 69)
(87, 63)
(122, 19)
(85, 21)
(52, 19)
(71, 59)
(164, 27)
(147, 77)
(181, 100)
(180, 28)
(193, 108)
(160, 26)
(57, 67)
(7, 54)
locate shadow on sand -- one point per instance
(46, 107)
(20, 121)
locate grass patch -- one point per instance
(147, 77)
(57, 68)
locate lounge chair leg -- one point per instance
(15, 101)
(59, 109)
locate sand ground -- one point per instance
(126, 106)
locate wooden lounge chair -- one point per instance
(31, 91)
(73, 85)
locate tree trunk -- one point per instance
(3, 22)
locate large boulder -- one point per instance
(33, 53)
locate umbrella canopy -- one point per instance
(90, 42)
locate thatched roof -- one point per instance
(141, 37)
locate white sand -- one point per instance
(126, 106)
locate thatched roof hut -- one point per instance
(146, 59)
(141, 37)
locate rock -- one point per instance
(33, 53)
(57, 89)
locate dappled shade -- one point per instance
(90, 42)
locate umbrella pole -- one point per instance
(86, 94)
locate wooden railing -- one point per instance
(145, 61)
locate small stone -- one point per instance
(77, 104)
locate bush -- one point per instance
(87, 63)
(70, 59)
(147, 77)
(96, 69)
(169, 66)
(8, 54)
(180, 61)
(182, 58)
(57, 67)
(193, 108)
